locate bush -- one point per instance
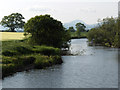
(41, 62)
(45, 50)
(57, 59)
(7, 60)
(8, 53)
(45, 61)
(26, 60)
(8, 69)
(23, 50)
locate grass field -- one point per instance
(19, 55)
(83, 34)
(11, 36)
(6, 36)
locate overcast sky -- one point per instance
(64, 10)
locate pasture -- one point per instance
(11, 36)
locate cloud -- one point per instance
(39, 9)
(87, 10)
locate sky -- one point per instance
(65, 11)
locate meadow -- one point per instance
(11, 36)
(18, 55)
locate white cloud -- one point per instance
(63, 10)
(39, 9)
(87, 10)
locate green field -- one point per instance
(19, 55)
(83, 34)
(5, 36)
(11, 36)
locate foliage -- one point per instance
(18, 55)
(8, 53)
(13, 48)
(45, 30)
(8, 69)
(22, 50)
(45, 61)
(45, 50)
(71, 29)
(42, 62)
(82, 35)
(80, 28)
(106, 33)
(13, 21)
(24, 60)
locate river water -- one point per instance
(91, 67)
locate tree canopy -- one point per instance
(45, 30)
(13, 21)
(107, 33)
(71, 29)
(80, 28)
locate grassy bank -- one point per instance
(17, 55)
(74, 35)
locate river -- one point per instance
(91, 67)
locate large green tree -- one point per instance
(107, 33)
(71, 29)
(45, 30)
(13, 21)
(80, 28)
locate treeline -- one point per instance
(41, 47)
(80, 31)
(107, 33)
(42, 29)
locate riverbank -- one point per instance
(78, 37)
(18, 56)
(106, 34)
(75, 36)
(11, 69)
(93, 67)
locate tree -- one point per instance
(71, 29)
(13, 21)
(45, 30)
(107, 33)
(80, 28)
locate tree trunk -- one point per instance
(12, 29)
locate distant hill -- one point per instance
(72, 23)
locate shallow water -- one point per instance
(93, 67)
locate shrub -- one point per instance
(41, 62)
(45, 50)
(45, 61)
(22, 50)
(26, 60)
(57, 59)
(7, 60)
(8, 53)
(8, 69)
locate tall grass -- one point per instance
(17, 55)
